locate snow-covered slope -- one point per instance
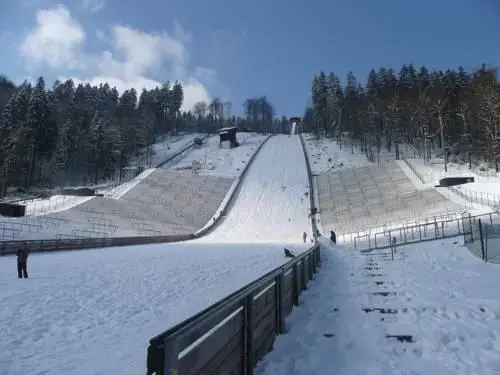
(272, 205)
(441, 295)
(77, 308)
(222, 161)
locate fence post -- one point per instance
(310, 267)
(170, 364)
(280, 298)
(486, 231)
(470, 226)
(296, 291)
(248, 360)
(482, 240)
(303, 274)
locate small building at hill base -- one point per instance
(228, 135)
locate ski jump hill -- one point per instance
(368, 198)
(162, 204)
(234, 284)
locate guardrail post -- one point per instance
(170, 364)
(314, 261)
(280, 299)
(248, 362)
(295, 286)
(311, 268)
(303, 274)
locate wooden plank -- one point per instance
(261, 304)
(264, 327)
(288, 281)
(306, 268)
(299, 277)
(205, 326)
(288, 303)
(265, 346)
(228, 358)
(196, 358)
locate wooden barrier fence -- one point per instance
(230, 336)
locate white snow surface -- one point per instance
(94, 311)
(171, 145)
(222, 161)
(325, 155)
(446, 299)
(272, 205)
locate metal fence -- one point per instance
(482, 238)
(485, 199)
(429, 231)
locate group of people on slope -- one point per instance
(333, 238)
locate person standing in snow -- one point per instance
(333, 236)
(393, 244)
(304, 237)
(22, 262)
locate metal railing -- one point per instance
(236, 332)
(482, 238)
(418, 233)
(404, 222)
(485, 199)
(10, 247)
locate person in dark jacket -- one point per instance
(333, 236)
(22, 262)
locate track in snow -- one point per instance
(93, 312)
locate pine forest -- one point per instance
(81, 134)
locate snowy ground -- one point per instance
(442, 296)
(484, 189)
(77, 308)
(225, 162)
(325, 155)
(272, 205)
(170, 146)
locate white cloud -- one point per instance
(134, 59)
(55, 41)
(93, 5)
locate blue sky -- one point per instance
(238, 49)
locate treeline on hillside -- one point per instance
(81, 134)
(459, 108)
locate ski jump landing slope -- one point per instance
(356, 199)
(93, 311)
